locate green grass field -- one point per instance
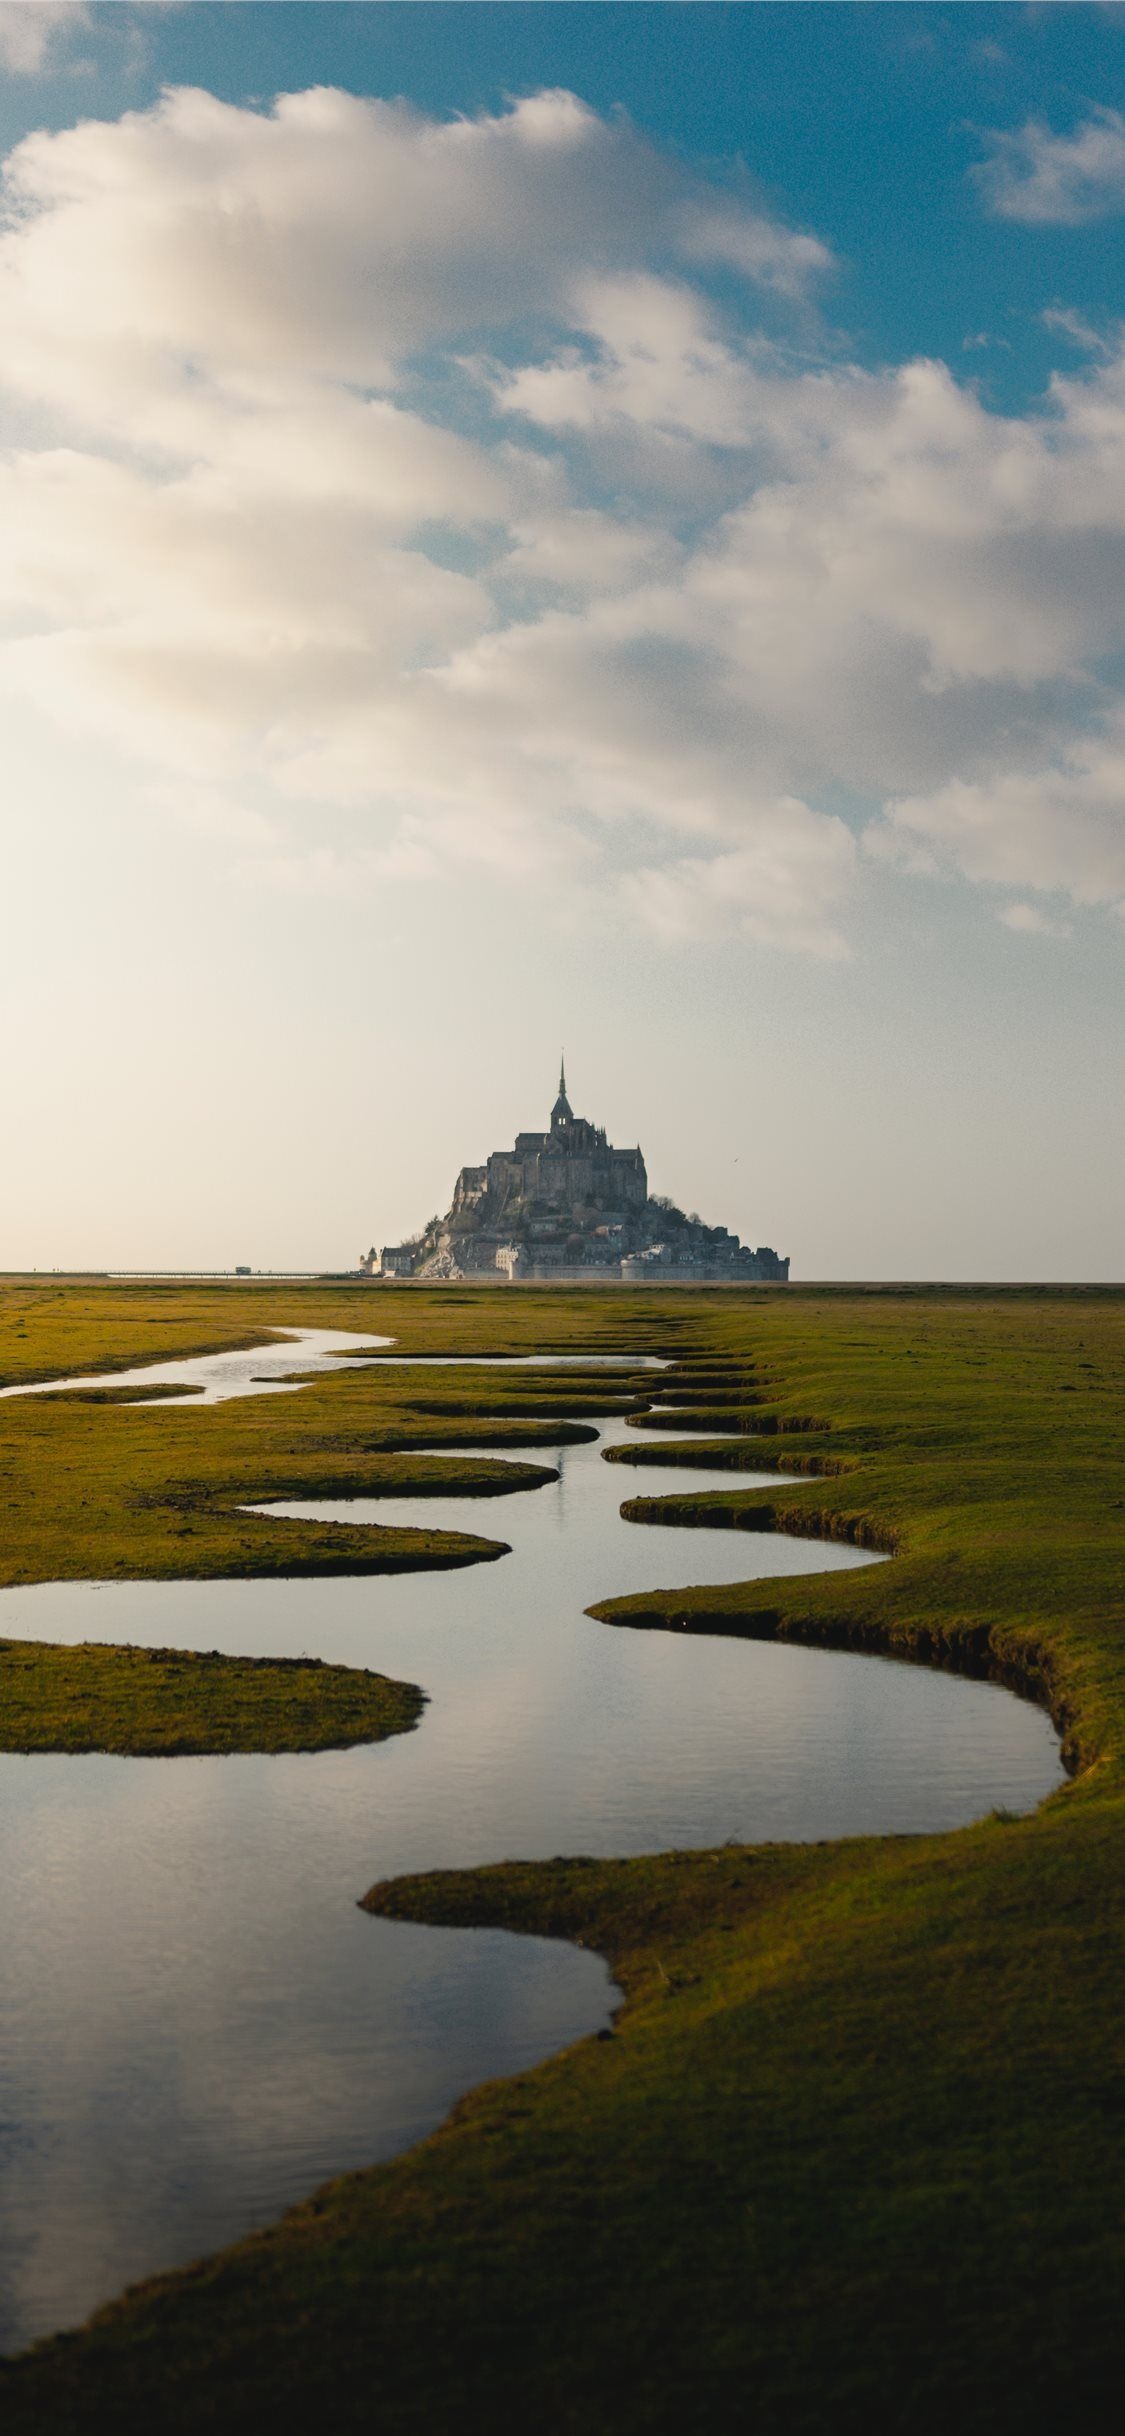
(852, 2158)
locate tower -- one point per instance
(562, 1114)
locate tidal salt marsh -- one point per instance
(201, 2025)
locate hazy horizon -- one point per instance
(537, 526)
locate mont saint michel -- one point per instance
(567, 1204)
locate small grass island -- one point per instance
(151, 1703)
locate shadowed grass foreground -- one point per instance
(852, 2159)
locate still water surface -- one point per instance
(197, 2024)
(213, 1378)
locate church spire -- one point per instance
(562, 1113)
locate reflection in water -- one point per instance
(198, 2024)
(216, 1377)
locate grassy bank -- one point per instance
(157, 1490)
(852, 2157)
(161, 1702)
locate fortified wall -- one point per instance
(567, 1204)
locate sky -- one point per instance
(594, 526)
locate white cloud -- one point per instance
(1042, 178)
(30, 31)
(1073, 326)
(746, 241)
(785, 889)
(584, 550)
(1060, 829)
(660, 363)
(191, 605)
(1032, 922)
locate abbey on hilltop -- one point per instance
(565, 1204)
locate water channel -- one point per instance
(197, 2024)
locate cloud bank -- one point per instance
(482, 483)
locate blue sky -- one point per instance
(604, 521)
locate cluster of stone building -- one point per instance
(566, 1204)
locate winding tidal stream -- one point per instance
(197, 2024)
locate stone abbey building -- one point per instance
(567, 1204)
